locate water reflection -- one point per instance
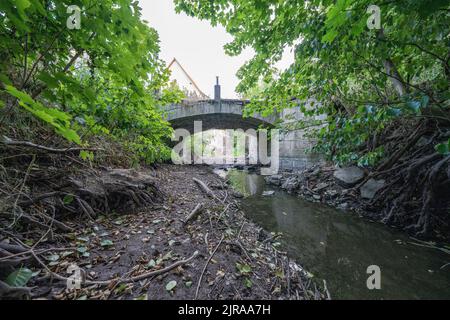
(339, 247)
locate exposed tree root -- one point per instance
(44, 189)
(9, 292)
(416, 194)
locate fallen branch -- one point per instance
(10, 142)
(121, 280)
(206, 189)
(7, 291)
(194, 213)
(39, 198)
(28, 251)
(148, 274)
(58, 224)
(326, 290)
(12, 248)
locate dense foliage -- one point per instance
(363, 79)
(104, 78)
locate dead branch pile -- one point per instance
(44, 188)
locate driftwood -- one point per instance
(206, 189)
(194, 213)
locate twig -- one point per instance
(10, 142)
(288, 278)
(427, 245)
(224, 210)
(206, 189)
(27, 173)
(326, 290)
(271, 238)
(49, 229)
(120, 281)
(26, 252)
(194, 213)
(206, 265)
(240, 230)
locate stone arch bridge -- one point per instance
(228, 114)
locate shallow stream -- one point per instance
(339, 246)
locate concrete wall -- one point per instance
(293, 151)
(294, 144)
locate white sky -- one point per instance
(198, 47)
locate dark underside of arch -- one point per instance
(219, 121)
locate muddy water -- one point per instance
(339, 246)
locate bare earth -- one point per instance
(235, 259)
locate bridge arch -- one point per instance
(223, 114)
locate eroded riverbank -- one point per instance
(151, 254)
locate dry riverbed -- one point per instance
(155, 253)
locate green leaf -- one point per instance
(21, 5)
(171, 285)
(53, 257)
(106, 243)
(394, 112)
(68, 199)
(243, 268)
(19, 278)
(414, 105)
(151, 263)
(82, 249)
(424, 101)
(443, 148)
(49, 80)
(22, 96)
(58, 119)
(5, 79)
(142, 297)
(329, 36)
(248, 283)
(85, 155)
